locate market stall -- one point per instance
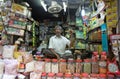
(23, 41)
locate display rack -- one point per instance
(99, 38)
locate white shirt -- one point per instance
(58, 44)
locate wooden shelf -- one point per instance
(94, 29)
(94, 41)
(15, 34)
(17, 20)
(16, 27)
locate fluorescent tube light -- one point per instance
(64, 6)
(44, 5)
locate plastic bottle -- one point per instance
(71, 66)
(59, 76)
(21, 67)
(87, 66)
(95, 66)
(103, 64)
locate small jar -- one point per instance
(102, 76)
(59, 76)
(85, 76)
(71, 66)
(68, 76)
(54, 66)
(47, 65)
(95, 66)
(93, 76)
(62, 66)
(78, 66)
(76, 76)
(102, 66)
(87, 66)
(21, 67)
(43, 75)
(110, 76)
(51, 76)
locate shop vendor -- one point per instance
(57, 44)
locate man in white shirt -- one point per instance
(57, 44)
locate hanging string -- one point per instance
(68, 17)
(13, 1)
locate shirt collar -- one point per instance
(58, 37)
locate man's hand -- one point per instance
(58, 57)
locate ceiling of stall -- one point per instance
(39, 14)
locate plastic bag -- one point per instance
(35, 75)
(27, 57)
(1, 75)
(8, 51)
(29, 67)
(11, 66)
(5, 76)
(67, 55)
(39, 66)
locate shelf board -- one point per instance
(18, 13)
(29, 31)
(17, 20)
(15, 34)
(94, 29)
(80, 39)
(94, 41)
(16, 27)
(30, 20)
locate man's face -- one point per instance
(58, 31)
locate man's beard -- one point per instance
(58, 34)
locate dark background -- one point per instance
(39, 14)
